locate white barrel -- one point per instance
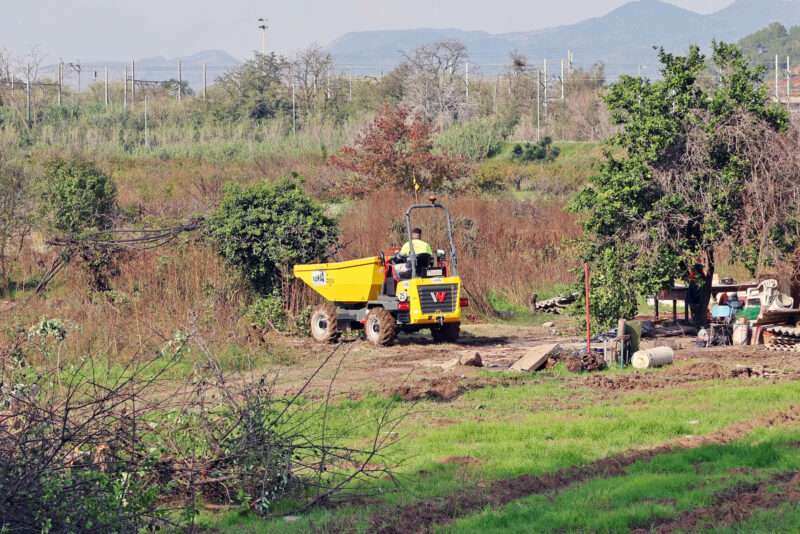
(655, 357)
(741, 333)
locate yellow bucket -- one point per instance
(350, 282)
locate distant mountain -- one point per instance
(156, 69)
(623, 39)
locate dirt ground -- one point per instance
(415, 367)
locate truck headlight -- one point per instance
(402, 296)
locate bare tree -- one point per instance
(523, 77)
(434, 85)
(310, 74)
(16, 212)
(16, 74)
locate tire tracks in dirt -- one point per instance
(732, 506)
(421, 515)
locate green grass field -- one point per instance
(551, 422)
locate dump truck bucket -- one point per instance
(354, 281)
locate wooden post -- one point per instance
(675, 310)
(588, 316)
(656, 302)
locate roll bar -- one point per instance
(413, 254)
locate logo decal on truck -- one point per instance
(318, 278)
(439, 296)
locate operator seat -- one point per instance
(423, 262)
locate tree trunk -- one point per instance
(699, 311)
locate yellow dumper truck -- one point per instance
(389, 293)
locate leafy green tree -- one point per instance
(254, 89)
(762, 46)
(265, 229)
(693, 170)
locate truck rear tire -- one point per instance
(323, 323)
(446, 333)
(380, 327)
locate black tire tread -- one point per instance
(388, 327)
(332, 332)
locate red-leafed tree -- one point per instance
(396, 149)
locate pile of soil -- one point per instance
(577, 362)
(667, 377)
(445, 388)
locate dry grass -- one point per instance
(506, 247)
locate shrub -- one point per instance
(494, 176)
(265, 229)
(77, 196)
(539, 151)
(80, 199)
(476, 140)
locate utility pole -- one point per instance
(788, 81)
(204, 82)
(496, 83)
(133, 83)
(538, 106)
(146, 136)
(776, 77)
(28, 90)
(294, 113)
(467, 78)
(125, 90)
(60, 79)
(562, 80)
(569, 60)
(544, 100)
(263, 27)
(180, 82)
(106, 86)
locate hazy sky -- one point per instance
(118, 30)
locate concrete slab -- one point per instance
(535, 358)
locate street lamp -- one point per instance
(262, 25)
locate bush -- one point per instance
(476, 140)
(539, 151)
(265, 229)
(73, 453)
(494, 176)
(80, 199)
(78, 196)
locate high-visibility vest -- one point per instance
(420, 247)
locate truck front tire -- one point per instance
(380, 327)
(323, 323)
